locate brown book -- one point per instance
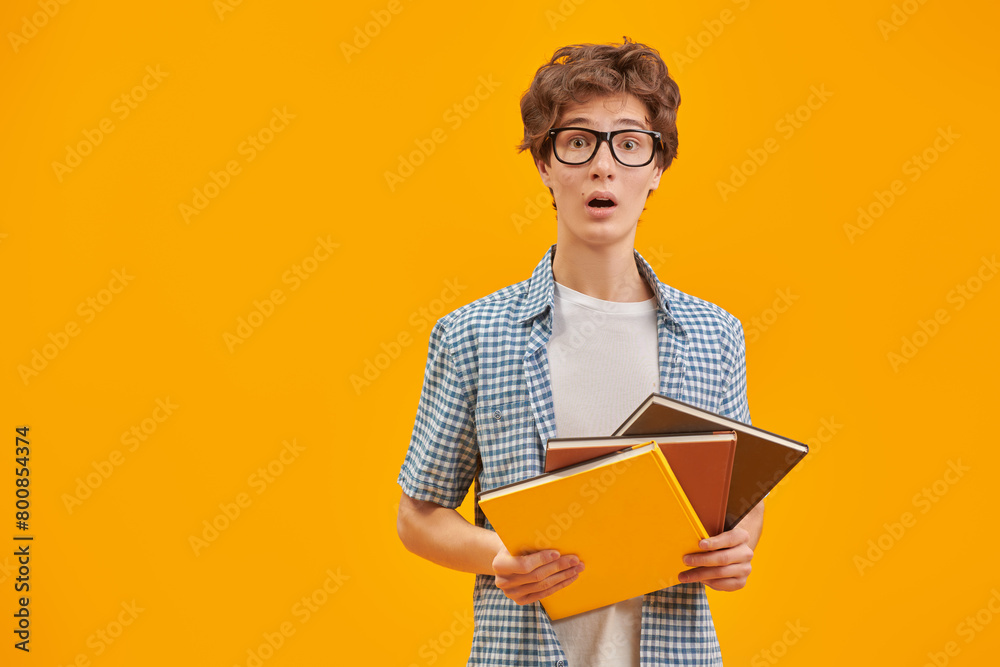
(762, 460)
(702, 463)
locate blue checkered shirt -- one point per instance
(486, 412)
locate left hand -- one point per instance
(724, 562)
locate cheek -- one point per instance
(642, 186)
(637, 190)
(567, 180)
(567, 184)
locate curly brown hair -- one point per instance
(576, 73)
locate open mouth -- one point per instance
(600, 202)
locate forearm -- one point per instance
(753, 523)
(443, 536)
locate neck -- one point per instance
(606, 273)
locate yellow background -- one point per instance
(444, 236)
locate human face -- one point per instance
(582, 192)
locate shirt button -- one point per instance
(560, 663)
(497, 415)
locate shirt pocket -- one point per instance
(509, 443)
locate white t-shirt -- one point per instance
(603, 361)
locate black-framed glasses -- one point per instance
(578, 145)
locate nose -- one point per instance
(603, 164)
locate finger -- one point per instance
(515, 585)
(706, 574)
(505, 563)
(725, 540)
(535, 597)
(519, 572)
(739, 554)
(534, 591)
(728, 585)
(542, 577)
(528, 562)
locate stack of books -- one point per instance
(631, 505)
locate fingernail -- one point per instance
(704, 544)
(687, 560)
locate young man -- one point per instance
(571, 351)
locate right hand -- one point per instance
(529, 578)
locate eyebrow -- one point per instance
(621, 122)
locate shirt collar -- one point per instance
(540, 296)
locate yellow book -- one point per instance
(624, 515)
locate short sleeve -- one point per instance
(734, 398)
(440, 463)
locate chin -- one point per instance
(600, 232)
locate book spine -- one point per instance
(692, 516)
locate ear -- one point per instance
(655, 182)
(543, 171)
